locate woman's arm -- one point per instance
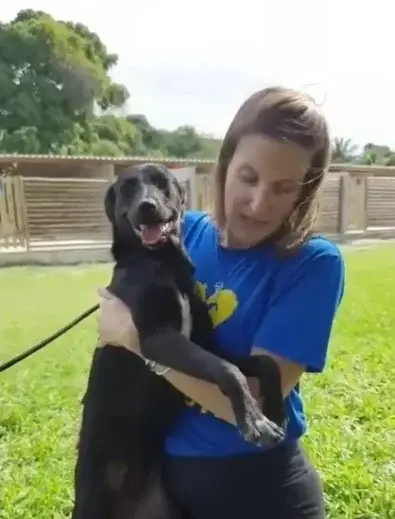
(207, 395)
(211, 398)
(296, 329)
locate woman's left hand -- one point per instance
(115, 324)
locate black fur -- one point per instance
(128, 410)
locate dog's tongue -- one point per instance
(151, 234)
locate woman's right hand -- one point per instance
(115, 324)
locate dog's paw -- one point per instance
(251, 422)
(258, 429)
(264, 432)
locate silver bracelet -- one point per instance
(155, 368)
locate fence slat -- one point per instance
(13, 228)
(381, 202)
(66, 209)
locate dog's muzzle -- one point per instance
(154, 222)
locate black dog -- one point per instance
(128, 409)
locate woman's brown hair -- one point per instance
(282, 114)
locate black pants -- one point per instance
(279, 484)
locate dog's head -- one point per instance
(145, 206)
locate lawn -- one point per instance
(350, 408)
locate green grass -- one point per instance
(350, 408)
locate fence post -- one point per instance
(357, 205)
(344, 201)
(20, 203)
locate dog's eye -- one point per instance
(160, 182)
(128, 188)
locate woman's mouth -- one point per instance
(255, 224)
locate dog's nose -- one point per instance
(148, 206)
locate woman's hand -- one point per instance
(115, 324)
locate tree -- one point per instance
(183, 142)
(343, 150)
(53, 75)
(118, 131)
(376, 154)
(56, 96)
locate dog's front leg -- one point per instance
(169, 348)
(266, 371)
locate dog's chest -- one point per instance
(186, 316)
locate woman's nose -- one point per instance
(261, 202)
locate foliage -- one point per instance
(57, 96)
(52, 74)
(345, 151)
(350, 407)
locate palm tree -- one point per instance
(343, 150)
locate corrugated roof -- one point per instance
(92, 159)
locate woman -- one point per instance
(271, 287)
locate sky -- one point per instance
(195, 62)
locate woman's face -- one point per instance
(262, 185)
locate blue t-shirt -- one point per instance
(285, 305)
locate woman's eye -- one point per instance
(248, 176)
(284, 188)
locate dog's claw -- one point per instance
(262, 432)
(269, 433)
(256, 428)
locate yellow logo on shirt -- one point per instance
(222, 303)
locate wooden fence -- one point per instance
(65, 209)
(359, 202)
(36, 210)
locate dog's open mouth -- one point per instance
(155, 234)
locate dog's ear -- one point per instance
(109, 203)
(117, 249)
